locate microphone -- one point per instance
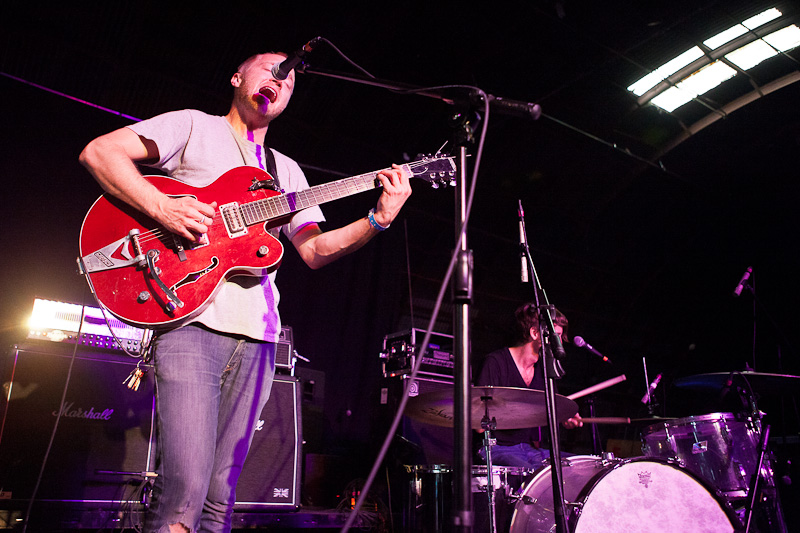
(580, 343)
(726, 387)
(738, 290)
(517, 108)
(651, 389)
(522, 245)
(280, 71)
(527, 110)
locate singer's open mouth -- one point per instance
(269, 93)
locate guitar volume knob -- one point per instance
(143, 297)
(262, 251)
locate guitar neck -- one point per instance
(288, 203)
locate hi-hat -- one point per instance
(511, 407)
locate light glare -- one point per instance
(698, 83)
(666, 70)
(762, 18)
(751, 54)
(785, 39)
(725, 37)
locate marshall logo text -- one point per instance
(67, 411)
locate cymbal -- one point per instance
(512, 407)
(762, 382)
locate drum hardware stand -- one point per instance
(748, 397)
(489, 425)
(649, 399)
(595, 429)
(762, 450)
(552, 351)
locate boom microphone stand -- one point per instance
(553, 352)
(462, 279)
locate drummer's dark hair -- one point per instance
(527, 316)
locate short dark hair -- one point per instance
(252, 57)
(527, 316)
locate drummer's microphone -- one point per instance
(726, 387)
(738, 290)
(580, 343)
(651, 389)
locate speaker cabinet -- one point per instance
(103, 446)
(271, 475)
(417, 443)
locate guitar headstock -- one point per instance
(438, 170)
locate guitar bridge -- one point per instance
(121, 253)
(233, 220)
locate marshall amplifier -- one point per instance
(103, 451)
(271, 476)
(400, 352)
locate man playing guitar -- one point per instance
(214, 370)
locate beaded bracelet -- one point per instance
(374, 223)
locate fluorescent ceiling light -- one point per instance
(698, 83)
(762, 18)
(707, 78)
(725, 37)
(754, 53)
(785, 39)
(717, 72)
(666, 70)
(751, 54)
(672, 99)
(740, 29)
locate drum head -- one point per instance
(645, 495)
(639, 495)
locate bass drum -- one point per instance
(633, 495)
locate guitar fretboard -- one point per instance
(285, 204)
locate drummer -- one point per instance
(520, 366)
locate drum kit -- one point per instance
(711, 472)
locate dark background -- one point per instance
(639, 242)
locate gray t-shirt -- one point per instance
(198, 148)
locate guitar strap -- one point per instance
(272, 168)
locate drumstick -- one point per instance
(606, 420)
(599, 386)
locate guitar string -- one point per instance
(278, 203)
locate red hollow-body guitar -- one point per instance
(149, 277)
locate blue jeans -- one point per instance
(210, 390)
(523, 455)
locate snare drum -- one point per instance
(715, 446)
(633, 495)
(508, 478)
(506, 481)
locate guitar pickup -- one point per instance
(233, 220)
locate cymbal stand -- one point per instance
(769, 503)
(595, 429)
(489, 425)
(762, 450)
(552, 351)
(649, 399)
